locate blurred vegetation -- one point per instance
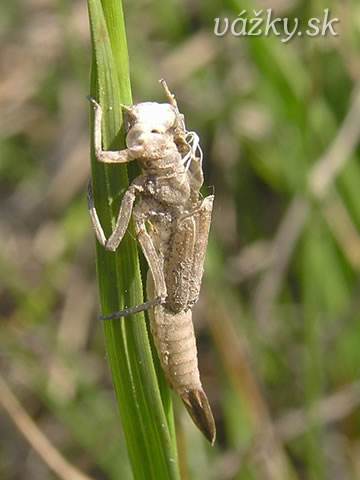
(278, 321)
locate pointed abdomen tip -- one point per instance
(197, 405)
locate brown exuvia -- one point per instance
(172, 226)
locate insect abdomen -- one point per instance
(176, 346)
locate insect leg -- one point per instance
(148, 305)
(123, 217)
(105, 156)
(150, 253)
(170, 96)
(99, 232)
(131, 310)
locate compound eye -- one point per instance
(126, 125)
(128, 122)
(154, 130)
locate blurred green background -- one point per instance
(278, 322)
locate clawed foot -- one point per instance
(94, 102)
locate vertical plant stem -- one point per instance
(151, 445)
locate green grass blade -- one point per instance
(149, 438)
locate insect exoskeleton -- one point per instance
(171, 224)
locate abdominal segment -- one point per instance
(175, 343)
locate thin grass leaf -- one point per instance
(150, 442)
